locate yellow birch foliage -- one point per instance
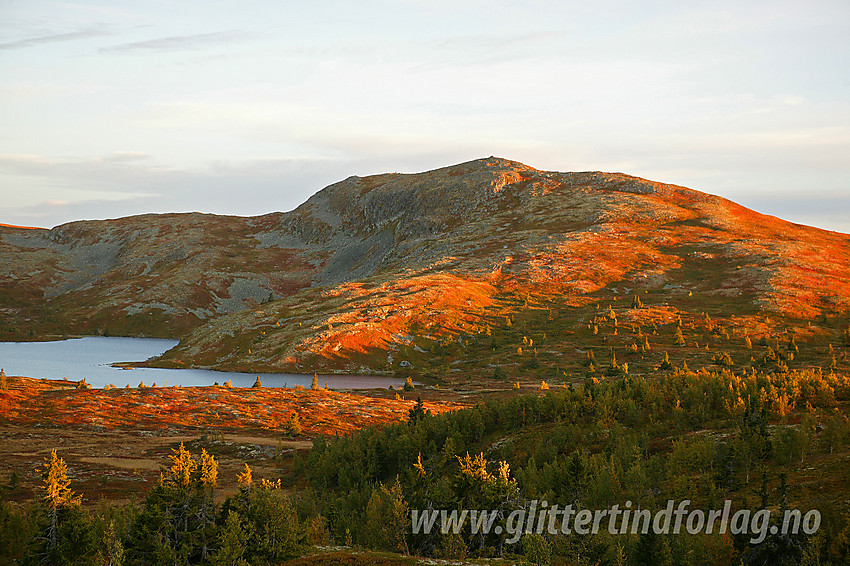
(246, 478)
(183, 466)
(209, 469)
(420, 469)
(56, 483)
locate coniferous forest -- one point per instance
(757, 439)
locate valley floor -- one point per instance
(116, 441)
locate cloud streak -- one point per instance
(175, 43)
(94, 31)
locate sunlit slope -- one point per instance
(424, 270)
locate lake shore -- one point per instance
(106, 362)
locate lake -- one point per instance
(92, 358)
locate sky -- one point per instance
(109, 109)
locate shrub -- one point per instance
(292, 426)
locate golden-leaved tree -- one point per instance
(63, 532)
(57, 494)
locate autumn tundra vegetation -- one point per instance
(584, 339)
(764, 440)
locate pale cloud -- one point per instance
(41, 89)
(119, 165)
(176, 43)
(123, 156)
(100, 188)
(791, 99)
(39, 201)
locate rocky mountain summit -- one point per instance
(374, 271)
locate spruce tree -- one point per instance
(232, 542)
(418, 412)
(652, 549)
(763, 493)
(272, 523)
(537, 549)
(388, 518)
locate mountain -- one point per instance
(462, 270)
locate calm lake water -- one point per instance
(91, 358)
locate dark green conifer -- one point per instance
(232, 542)
(418, 412)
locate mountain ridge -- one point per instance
(365, 263)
